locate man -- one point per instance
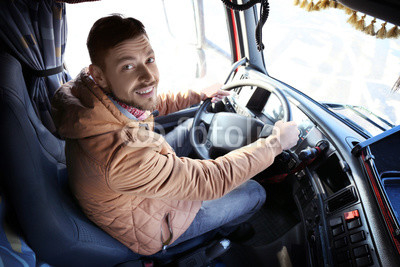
(128, 179)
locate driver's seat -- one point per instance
(34, 178)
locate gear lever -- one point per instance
(312, 152)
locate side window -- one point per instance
(218, 51)
(173, 29)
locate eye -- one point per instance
(151, 60)
(128, 67)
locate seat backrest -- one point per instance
(34, 176)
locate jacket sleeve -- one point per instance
(147, 173)
(171, 102)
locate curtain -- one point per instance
(35, 31)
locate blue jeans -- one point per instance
(179, 139)
(225, 213)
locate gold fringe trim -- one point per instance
(393, 32)
(316, 6)
(353, 19)
(360, 25)
(324, 4)
(310, 6)
(303, 4)
(381, 34)
(348, 11)
(370, 29)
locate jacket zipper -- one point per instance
(167, 242)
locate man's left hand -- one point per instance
(214, 92)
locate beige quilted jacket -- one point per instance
(128, 180)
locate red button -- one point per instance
(348, 216)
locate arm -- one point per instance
(169, 102)
(147, 173)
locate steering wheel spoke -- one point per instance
(204, 149)
(206, 117)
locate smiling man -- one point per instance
(130, 74)
(132, 182)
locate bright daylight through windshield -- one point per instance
(318, 53)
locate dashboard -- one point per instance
(328, 192)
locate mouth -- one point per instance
(146, 92)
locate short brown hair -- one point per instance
(109, 31)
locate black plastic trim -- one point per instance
(387, 10)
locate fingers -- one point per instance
(217, 98)
(219, 95)
(223, 92)
(288, 133)
(214, 91)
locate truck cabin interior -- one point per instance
(332, 199)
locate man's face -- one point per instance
(131, 73)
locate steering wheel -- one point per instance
(213, 140)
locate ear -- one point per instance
(98, 76)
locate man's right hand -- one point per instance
(287, 133)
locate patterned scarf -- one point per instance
(137, 113)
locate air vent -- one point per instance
(342, 200)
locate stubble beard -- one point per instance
(149, 106)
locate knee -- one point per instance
(261, 194)
(257, 194)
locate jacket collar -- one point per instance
(81, 109)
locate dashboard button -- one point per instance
(361, 251)
(351, 215)
(208, 144)
(364, 261)
(335, 221)
(354, 224)
(338, 230)
(340, 242)
(357, 237)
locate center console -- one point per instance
(333, 216)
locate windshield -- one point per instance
(322, 55)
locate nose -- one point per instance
(145, 74)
